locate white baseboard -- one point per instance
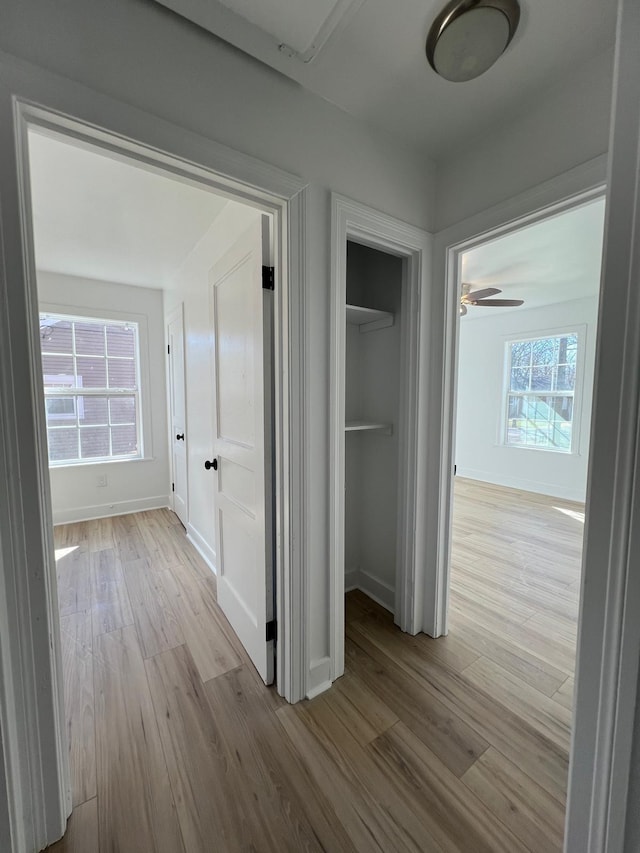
(376, 589)
(87, 513)
(202, 547)
(552, 490)
(319, 677)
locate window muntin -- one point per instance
(541, 380)
(91, 372)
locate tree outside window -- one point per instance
(540, 392)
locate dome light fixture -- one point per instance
(468, 36)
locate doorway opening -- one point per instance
(177, 415)
(377, 373)
(372, 421)
(523, 414)
(125, 258)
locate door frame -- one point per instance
(606, 719)
(361, 224)
(573, 189)
(450, 254)
(178, 314)
(31, 691)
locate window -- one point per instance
(90, 371)
(541, 379)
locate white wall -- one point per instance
(480, 454)
(190, 285)
(352, 457)
(135, 484)
(143, 55)
(564, 127)
(139, 52)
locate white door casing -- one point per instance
(602, 805)
(178, 415)
(31, 698)
(601, 814)
(580, 186)
(242, 444)
(353, 221)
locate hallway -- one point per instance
(451, 745)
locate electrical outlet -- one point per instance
(101, 480)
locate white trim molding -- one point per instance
(538, 486)
(202, 547)
(353, 221)
(602, 812)
(177, 314)
(292, 422)
(87, 513)
(579, 186)
(319, 677)
(38, 787)
(383, 593)
(31, 697)
(145, 429)
(580, 331)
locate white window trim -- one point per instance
(580, 330)
(145, 429)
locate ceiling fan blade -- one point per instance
(493, 303)
(481, 294)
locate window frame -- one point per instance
(580, 331)
(143, 414)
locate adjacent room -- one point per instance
(140, 287)
(529, 309)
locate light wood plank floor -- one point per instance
(457, 744)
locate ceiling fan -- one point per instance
(483, 297)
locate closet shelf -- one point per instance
(368, 426)
(368, 319)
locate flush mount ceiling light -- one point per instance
(468, 36)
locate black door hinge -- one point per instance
(268, 278)
(173, 487)
(272, 630)
(168, 349)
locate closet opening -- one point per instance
(379, 371)
(373, 373)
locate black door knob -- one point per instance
(213, 465)
(180, 437)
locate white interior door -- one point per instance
(243, 441)
(178, 414)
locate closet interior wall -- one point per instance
(372, 407)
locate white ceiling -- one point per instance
(373, 63)
(303, 27)
(104, 218)
(555, 260)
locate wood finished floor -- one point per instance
(457, 744)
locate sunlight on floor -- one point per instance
(572, 513)
(64, 552)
